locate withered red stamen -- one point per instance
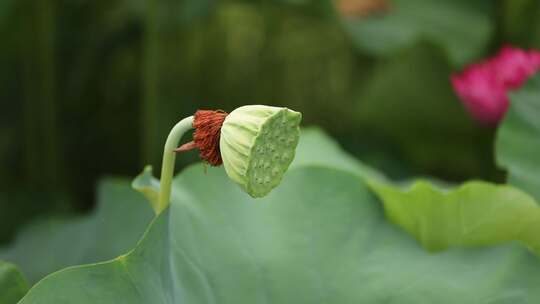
(207, 124)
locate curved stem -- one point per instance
(169, 157)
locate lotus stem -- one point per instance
(169, 158)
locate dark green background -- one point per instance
(91, 87)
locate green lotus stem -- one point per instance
(169, 157)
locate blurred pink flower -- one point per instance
(483, 86)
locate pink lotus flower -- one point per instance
(483, 86)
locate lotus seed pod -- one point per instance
(257, 146)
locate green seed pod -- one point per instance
(257, 146)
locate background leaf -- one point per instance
(12, 284)
(518, 138)
(304, 243)
(474, 214)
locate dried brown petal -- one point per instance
(207, 124)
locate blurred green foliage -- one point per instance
(90, 87)
(12, 284)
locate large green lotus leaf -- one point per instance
(518, 138)
(13, 286)
(78, 238)
(321, 237)
(476, 213)
(463, 28)
(54, 243)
